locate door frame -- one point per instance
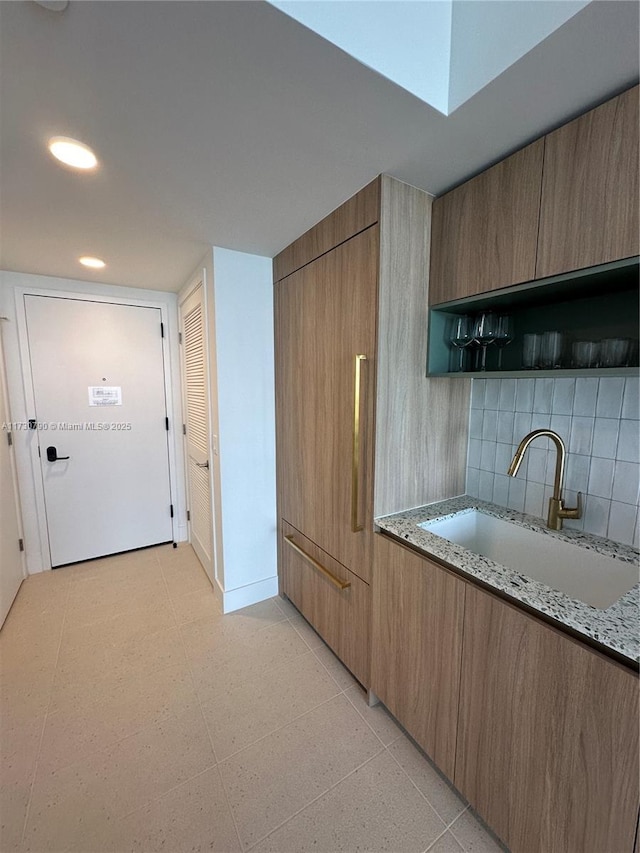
(29, 400)
(199, 279)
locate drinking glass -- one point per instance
(531, 346)
(484, 333)
(586, 353)
(615, 352)
(504, 335)
(461, 335)
(552, 345)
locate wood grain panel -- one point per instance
(417, 617)
(341, 617)
(485, 231)
(589, 211)
(419, 457)
(325, 315)
(547, 749)
(356, 214)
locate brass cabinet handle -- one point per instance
(355, 468)
(328, 575)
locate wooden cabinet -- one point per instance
(333, 599)
(484, 232)
(356, 285)
(417, 636)
(547, 748)
(589, 208)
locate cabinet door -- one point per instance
(589, 209)
(325, 317)
(484, 232)
(340, 616)
(547, 749)
(416, 646)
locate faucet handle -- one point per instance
(571, 512)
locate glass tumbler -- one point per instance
(552, 346)
(531, 349)
(586, 353)
(615, 352)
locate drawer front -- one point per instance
(334, 600)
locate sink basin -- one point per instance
(581, 574)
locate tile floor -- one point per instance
(135, 717)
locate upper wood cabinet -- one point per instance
(417, 639)
(589, 209)
(547, 749)
(484, 232)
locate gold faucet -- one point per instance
(557, 509)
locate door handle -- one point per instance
(356, 527)
(52, 455)
(203, 464)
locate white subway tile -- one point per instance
(505, 427)
(537, 464)
(521, 426)
(534, 499)
(485, 489)
(629, 441)
(631, 401)
(543, 396)
(473, 482)
(492, 394)
(488, 456)
(540, 420)
(636, 532)
(622, 522)
(501, 489)
(586, 394)
(581, 435)
(475, 450)
(577, 473)
(504, 455)
(625, 482)
(517, 490)
(507, 402)
(490, 425)
(601, 477)
(610, 392)
(524, 395)
(475, 423)
(563, 391)
(596, 515)
(477, 393)
(605, 437)
(562, 425)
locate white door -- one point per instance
(196, 412)
(98, 383)
(11, 569)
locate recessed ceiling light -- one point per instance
(94, 263)
(72, 153)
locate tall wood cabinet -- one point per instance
(360, 431)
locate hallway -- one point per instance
(135, 717)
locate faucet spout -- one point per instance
(557, 509)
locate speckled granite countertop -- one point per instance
(616, 628)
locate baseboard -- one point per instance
(234, 599)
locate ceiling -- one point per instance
(231, 124)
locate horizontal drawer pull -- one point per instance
(328, 575)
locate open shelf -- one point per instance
(590, 304)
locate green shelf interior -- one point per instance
(600, 302)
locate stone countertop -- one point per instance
(616, 628)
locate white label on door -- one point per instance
(102, 395)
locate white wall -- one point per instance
(599, 422)
(242, 296)
(12, 286)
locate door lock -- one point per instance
(52, 454)
(203, 464)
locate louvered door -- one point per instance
(197, 438)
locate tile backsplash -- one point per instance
(598, 419)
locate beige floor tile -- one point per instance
(96, 606)
(199, 604)
(115, 567)
(192, 817)
(121, 627)
(14, 800)
(337, 671)
(311, 638)
(108, 715)
(93, 670)
(377, 717)
(444, 799)
(76, 808)
(19, 745)
(472, 836)
(280, 774)
(446, 844)
(289, 610)
(241, 713)
(374, 809)
(25, 691)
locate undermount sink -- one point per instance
(579, 573)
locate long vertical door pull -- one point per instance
(356, 527)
